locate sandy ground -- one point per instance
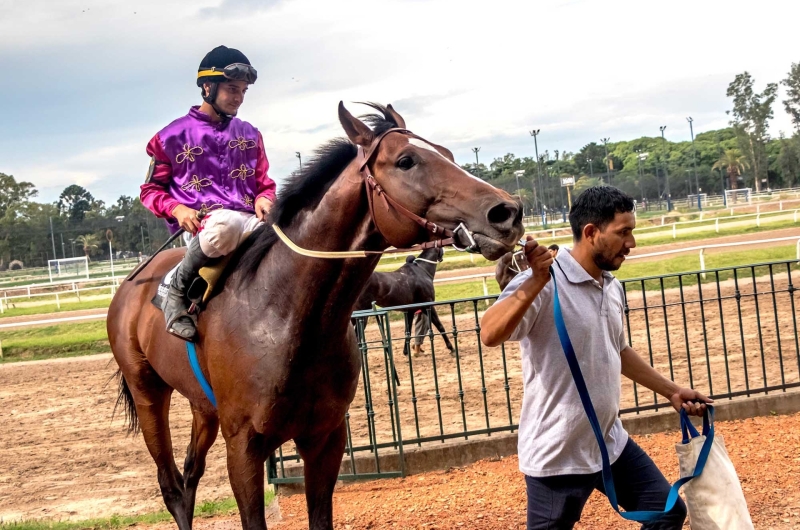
(61, 455)
(491, 494)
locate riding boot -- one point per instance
(176, 305)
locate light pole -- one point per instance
(535, 134)
(477, 165)
(72, 242)
(605, 144)
(63, 252)
(639, 157)
(666, 173)
(516, 176)
(141, 229)
(721, 174)
(591, 168)
(299, 159)
(694, 164)
(53, 239)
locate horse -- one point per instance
(412, 283)
(275, 344)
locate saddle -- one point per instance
(202, 289)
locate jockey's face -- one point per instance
(230, 96)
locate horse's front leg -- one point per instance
(322, 458)
(246, 457)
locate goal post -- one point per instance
(68, 268)
(691, 199)
(738, 196)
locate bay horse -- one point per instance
(411, 284)
(276, 343)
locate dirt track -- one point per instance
(62, 457)
(490, 495)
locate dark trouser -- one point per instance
(556, 503)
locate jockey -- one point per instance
(208, 176)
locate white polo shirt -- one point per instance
(555, 437)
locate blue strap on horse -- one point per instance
(198, 373)
(687, 428)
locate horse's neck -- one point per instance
(428, 268)
(326, 289)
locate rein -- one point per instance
(374, 187)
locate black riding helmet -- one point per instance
(223, 64)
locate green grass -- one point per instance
(634, 269)
(66, 305)
(207, 509)
(65, 340)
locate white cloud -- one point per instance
(96, 79)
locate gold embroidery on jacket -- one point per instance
(242, 144)
(205, 208)
(242, 173)
(247, 201)
(188, 153)
(196, 183)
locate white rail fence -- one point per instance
(113, 284)
(700, 248)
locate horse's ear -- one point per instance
(355, 129)
(401, 123)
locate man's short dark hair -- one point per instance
(597, 205)
(553, 247)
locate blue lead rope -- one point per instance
(198, 373)
(608, 480)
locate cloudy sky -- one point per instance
(88, 82)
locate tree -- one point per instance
(751, 112)
(89, 244)
(789, 161)
(74, 202)
(13, 193)
(792, 104)
(734, 162)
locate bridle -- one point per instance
(373, 187)
(515, 266)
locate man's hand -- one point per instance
(539, 259)
(263, 206)
(187, 218)
(690, 400)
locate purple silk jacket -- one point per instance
(206, 166)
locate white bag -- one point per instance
(714, 498)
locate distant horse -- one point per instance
(412, 283)
(276, 344)
(512, 263)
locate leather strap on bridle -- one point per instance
(374, 187)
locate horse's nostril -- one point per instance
(502, 213)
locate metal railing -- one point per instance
(730, 333)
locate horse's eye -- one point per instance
(405, 163)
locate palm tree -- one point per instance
(734, 162)
(89, 242)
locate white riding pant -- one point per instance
(222, 231)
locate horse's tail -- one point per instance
(125, 399)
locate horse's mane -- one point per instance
(306, 188)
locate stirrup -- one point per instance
(174, 332)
